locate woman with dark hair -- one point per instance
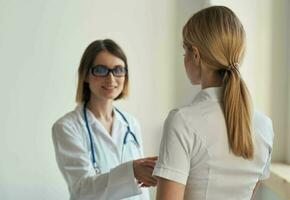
(217, 147)
(98, 147)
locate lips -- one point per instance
(109, 87)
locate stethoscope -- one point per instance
(128, 132)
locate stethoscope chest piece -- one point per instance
(97, 170)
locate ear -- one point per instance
(195, 54)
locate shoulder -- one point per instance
(263, 126)
(176, 121)
(66, 124)
(174, 116)
(68, 118)
(189, 115)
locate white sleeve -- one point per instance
(76, 167)
(269, 142)
(175, 150)
(266, 171)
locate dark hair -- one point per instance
(83, 90)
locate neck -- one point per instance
(102, 109)
(211, 79)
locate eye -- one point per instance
(119, 70)
(99, 70)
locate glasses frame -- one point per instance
(108, 71)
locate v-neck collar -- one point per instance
(118, 123)
(91, 117)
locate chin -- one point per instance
(111, 96)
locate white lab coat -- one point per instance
(114, 177)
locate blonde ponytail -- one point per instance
(238, 114)
(220, 38)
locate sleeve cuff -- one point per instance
(170, 174)
(122, 181)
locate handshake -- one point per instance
(143, 169)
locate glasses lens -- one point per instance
(100, 70)
(119, 71)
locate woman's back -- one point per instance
(197, 133)
(214, 148)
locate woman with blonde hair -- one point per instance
(98, 147)
(217, 147)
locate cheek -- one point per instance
(186, 60)
(192, 71)
(195, 75)
(188, 64)
(94, 82)
(121, 83)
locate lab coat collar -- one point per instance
(118, 124)
(92, 119)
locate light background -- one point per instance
(41, 43)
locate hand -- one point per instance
(143, 169)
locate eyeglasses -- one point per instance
(102, 70)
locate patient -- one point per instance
(217, 147)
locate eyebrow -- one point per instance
(107, 65)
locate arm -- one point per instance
(76, 167)
(169, 190)
(174, 161)
(255, 189)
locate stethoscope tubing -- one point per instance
(91, 139)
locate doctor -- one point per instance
(97, 146)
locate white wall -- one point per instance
(41, 43)
(288, 72)
(184, 90)
(280, 79)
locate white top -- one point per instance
(195, 152)
(113, 179)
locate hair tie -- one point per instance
(233, 66)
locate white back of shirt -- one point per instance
(194, 151)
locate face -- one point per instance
(106, 87)
(192, 64)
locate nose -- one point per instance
(110, 77)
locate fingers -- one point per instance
(143, 169)
(154, 158)
(148, 163)
(151, 158)
(146, 178)
(149, 181)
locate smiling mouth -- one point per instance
(109, 87)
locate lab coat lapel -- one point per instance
(118, 130)
(97, 128)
